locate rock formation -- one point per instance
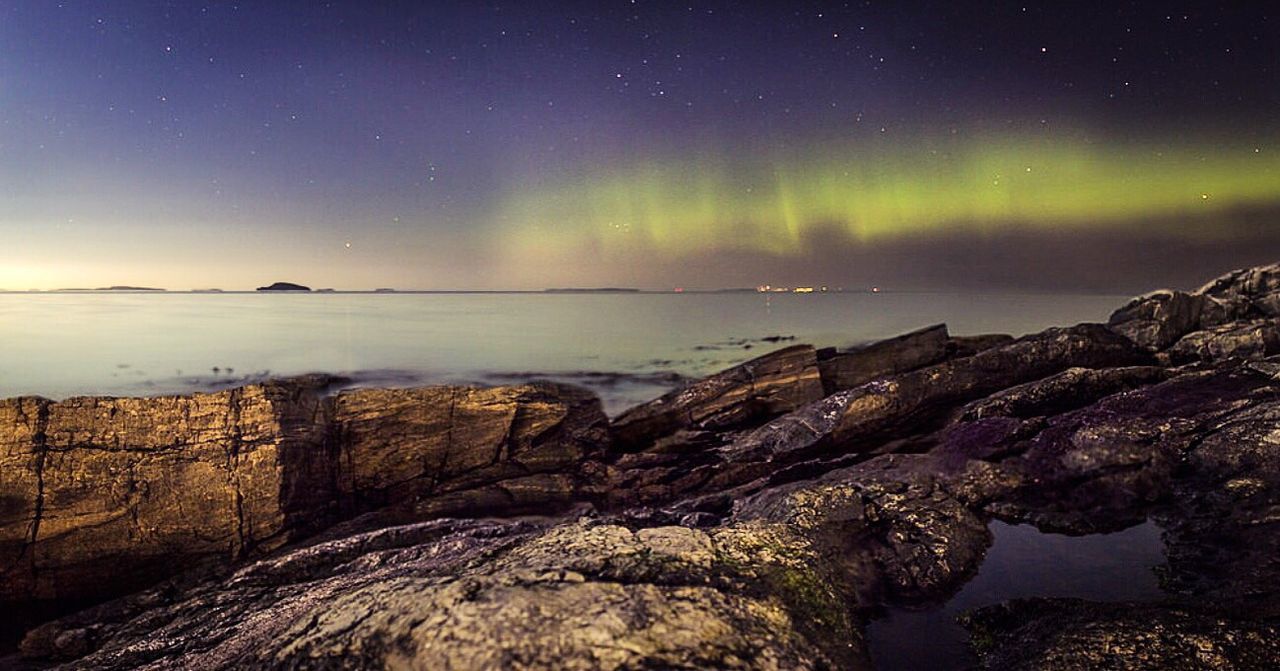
(103, 494)
(755, 519)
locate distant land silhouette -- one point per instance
(284, 286)
(113, 288)
(589, 290)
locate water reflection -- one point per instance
(1022, 562)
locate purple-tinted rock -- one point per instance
(906, 352)
(740, 397)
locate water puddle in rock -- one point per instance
(1022, 562)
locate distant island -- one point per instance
(587, 290)
(284, 286)
(384, 290)
(326, 291)
(115, 288)
(206, 291)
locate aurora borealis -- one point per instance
(1099, 147)
(887, 190)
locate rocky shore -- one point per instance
(755, 519)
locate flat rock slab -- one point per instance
(473, 595)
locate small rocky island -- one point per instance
(755, 519)
(284, 286)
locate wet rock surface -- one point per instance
(1066, 634)
(755, 519)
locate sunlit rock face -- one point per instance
(745, 521)
(464, 450)
(103, 494)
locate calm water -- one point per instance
(60, 345)
(1022, 562)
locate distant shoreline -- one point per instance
(589, 290)
(545, 292)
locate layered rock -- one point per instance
(1254, 339)
(1245, 291)
(859, 422)
(1159, 319)
(845, 370)
(102, 495)
(105, 494)
(1100, 467)
(742, 396)
(468, 450)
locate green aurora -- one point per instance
(876, 191)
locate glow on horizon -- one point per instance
(609, 224)
(886, 190)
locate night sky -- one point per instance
(1094, 146)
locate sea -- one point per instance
(628, 347)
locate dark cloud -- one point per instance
(1145, 255)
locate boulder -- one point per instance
(1072, 388)
(1248, 282)
(1241, 294)
(891, 526)
(741, 397)
(1158, 319)
(856, 419)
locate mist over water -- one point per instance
(60, 345)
